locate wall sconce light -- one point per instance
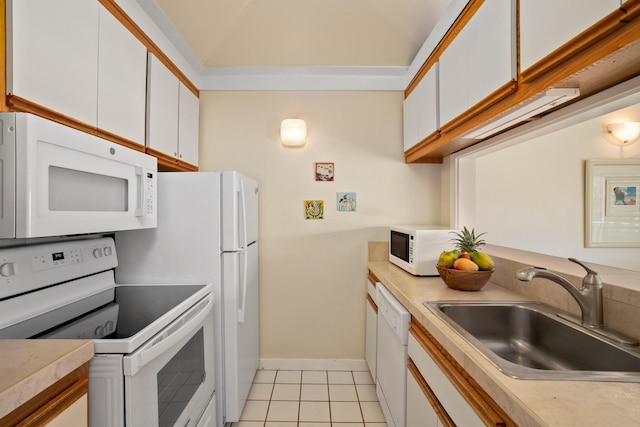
(625, 133)
(293, 132)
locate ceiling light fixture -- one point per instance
(543, 102)
(625, 133)
(293, 132)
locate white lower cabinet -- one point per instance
(451, 400)
(420, 413)
(371, 329)
(441, 393)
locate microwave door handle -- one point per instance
(155, 348)
(139, 191)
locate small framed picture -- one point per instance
(314, 209)
(324, 171)
(347, 202)
(612, 210)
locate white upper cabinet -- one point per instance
(75, 58)
(122, 80)
(188, 125)
(480, 60)
(421, 109)
(173, 114)
(545, 25)
(52, 55)
(162, 108)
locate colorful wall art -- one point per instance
(347, 202)
(314, 209)
(324, 171)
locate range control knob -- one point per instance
(108, 251)
(109, 327)
(7, 269)
(97, 253)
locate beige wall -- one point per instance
(548, 172)
(313, 272)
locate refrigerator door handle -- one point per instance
(243, 212)
(243, 252)
(245, 270)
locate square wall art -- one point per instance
(347, 202)
(314, 209)
(324, 171)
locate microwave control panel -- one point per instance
(149, 193)
(411, 249)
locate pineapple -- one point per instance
(469, 244)
(467, 241)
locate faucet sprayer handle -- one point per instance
(592, 277)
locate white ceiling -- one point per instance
(300, 44)
(304, 32)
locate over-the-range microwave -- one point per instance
(416, 248)
(59, 181)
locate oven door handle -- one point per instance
(165, 340)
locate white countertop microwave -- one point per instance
(416, 248)
(58, 181)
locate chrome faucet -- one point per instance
(589, 298)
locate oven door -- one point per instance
(170, 379)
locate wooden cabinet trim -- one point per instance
(170, 163)
(601, 29)
(442, 414)
(465, 16)
(17, 103)
(372, 303)
(611, 34)
(477, 113)
(483, 405)
(431, 139)
(372, 278)
(46, 405)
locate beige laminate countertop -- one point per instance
(528, 402)
(30, 366)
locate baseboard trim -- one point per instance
(314, 364)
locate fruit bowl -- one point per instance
(464, 280)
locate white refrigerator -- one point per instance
(207, 233)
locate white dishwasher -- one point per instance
(393, 332)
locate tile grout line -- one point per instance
(329, 400)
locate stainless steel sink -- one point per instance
(533, 341)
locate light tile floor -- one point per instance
(282, 398)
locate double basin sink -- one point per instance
(530, 340)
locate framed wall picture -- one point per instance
(324, 171)
(612, 211)
(314, 209)
(347, 202)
